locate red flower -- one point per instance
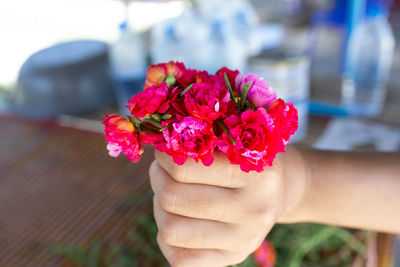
(151, 137)
(153, 99)
(286, 120)
(231, 74)
(207, 101)
(156, 74)
(265, 255)
(121, 136)
(255, 144)
(176, 102)
(190, 137)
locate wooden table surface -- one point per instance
(59, 185)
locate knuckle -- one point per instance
(180, 261)
(264, 215)
(267, 219)
(238, 258)
(173, 257)
(255, 241)
(153, 169)
(168, 202)
(168, 199)
(179, 173)
(169, 232)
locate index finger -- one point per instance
(221, 173)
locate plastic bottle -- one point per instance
(175, 39)
(228, 49)
(368, 61)
(128, 65)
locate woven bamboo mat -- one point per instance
(59, 185)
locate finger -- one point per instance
(185, 232)
(195, 200)
(183, 257)
(220, 173)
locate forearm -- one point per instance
(360, 190)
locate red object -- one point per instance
(188, 113)
(265, 255)
(255, 144)
(122, 136)
(152, 100)
(285, 118)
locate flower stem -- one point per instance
(223, 126)
(165, 127)
(229, 88)
(152, 122)
(186, 89)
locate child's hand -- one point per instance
(218, 215)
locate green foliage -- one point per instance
(245, 92)
(315, 245)
(296, 244)
(170, 80)
(228, 85)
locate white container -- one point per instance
(288, 75)
(128, 65)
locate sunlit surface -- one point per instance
(27, 26)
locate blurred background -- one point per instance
(66, 63)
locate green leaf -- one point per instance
(156, 116)
(186, 89)
(152, 122)
(229, 88)
(166, 116)
(165, 127)
(135, 121)
(170, 80)
(245, 92)
(223, 126)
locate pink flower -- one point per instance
(286, 120)
(190, 137)
(207, 101)
(158, 73)
(114, 149)
(153, 99)
(265, 255)
(260, 93)
(121, 136)
(255, 144)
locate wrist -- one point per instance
(297, 182)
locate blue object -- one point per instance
(355, 15)
(377, 7)
(335, 16)
(123, 26)
(327, 109)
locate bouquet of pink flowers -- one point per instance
(188, 113)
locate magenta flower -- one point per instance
(260, 93)
(191, 137)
